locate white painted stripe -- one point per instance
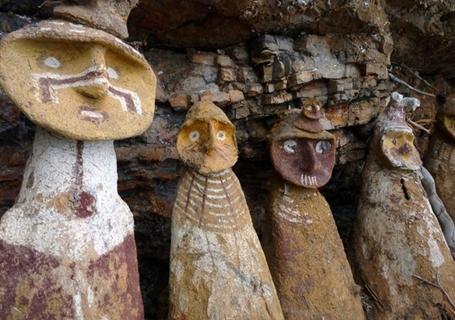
(92, 114)
(100, 80)
(77, 305)
(210, 189)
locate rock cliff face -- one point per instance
(255, 58)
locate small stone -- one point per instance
(279, 70)
(239, 86)
(266, 72)
(227, 74)
(278, 98)
(225, 61)
(254, 89)
(312, 89)
(337, 115)
(300, 78)
(247, 74)
(335, 86)
(203, 58)
(281, 85)
(361, 112)
(352, 71)
(179, 101)
(378, 69)
(269, 88)
(241, 111)
(236, 96)
(239, 53)
(218, 97)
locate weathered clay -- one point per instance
(439, 209)
(301, 151)
(107, 15)
(304, 250)
(218, 269)
(398, 246)
(440, 159)
(76, 81)
(67, 247)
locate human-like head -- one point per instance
(447, 116)
(302, 153)
(77, 81)
(206, 141)
(394, 137)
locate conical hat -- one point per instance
(290, 126)
(205, 111)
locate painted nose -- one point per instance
(95, 84)
(211, 141)
(309, 157)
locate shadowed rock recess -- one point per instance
(256, 58)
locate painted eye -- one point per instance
(194, 135)
(221, 135)
(289, 146)
(52, 62)
(323, 147)
(112, 73)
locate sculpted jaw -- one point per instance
(47, 83)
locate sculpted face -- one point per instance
(448, 122)
(206, 142)
(83, 84)
(398, 150)
(304, 162)
(447, 117)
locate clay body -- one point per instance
(304, 250)
(396, 238)
(440, 161)
(67, 247)
(218, 269)
(307, 258)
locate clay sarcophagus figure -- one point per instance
(440, 160)
(218, 269)
(399, 249)
(67, 248)
(305, 253)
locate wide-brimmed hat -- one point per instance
(108, 15)
(58, 30)
(296, 124)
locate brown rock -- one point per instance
(179, 101)
(203, 58)
(227, 74)
(279, 97)
(254, 89)
(236, 96)
(225, 61)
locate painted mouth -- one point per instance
(308, 180)
(93, 115)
